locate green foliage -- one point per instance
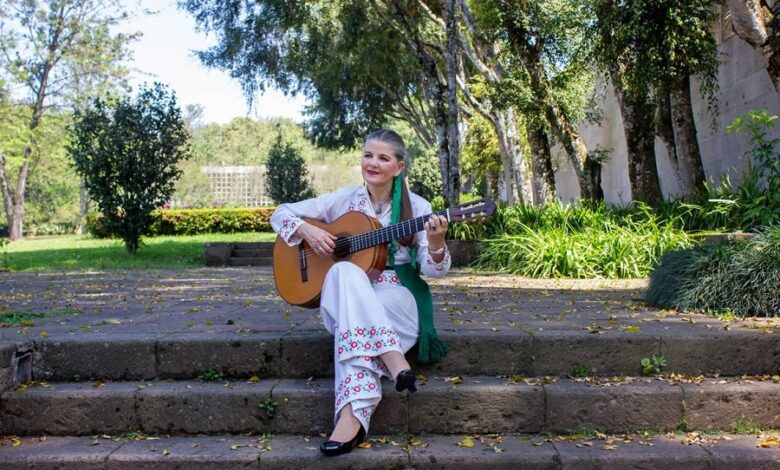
(211, 376)
(269, 405)
(286, 173)
(741, 277)
(581, 371)
(127, 151)
(653, 365)
(654, 42)
(86, 253)
(194, 221)
(425, 177)
(589, 240)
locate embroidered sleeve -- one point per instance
(287, 218)
(428, 266)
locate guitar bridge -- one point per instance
(302, 263)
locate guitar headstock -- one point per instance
(472, 210)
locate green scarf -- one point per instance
(430, 348)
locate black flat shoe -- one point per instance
(406, 380)
(331, 448)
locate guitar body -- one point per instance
(300, 273)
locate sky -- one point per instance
(165, 54)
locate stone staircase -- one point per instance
(503, 398)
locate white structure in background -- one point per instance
(244, 186)
(238, 185)
(744, 84)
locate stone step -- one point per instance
(230, 452)
(471, 404)
(303, 354)
(241, 253)
(251, 261)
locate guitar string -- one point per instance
(373, 234)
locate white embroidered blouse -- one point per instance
(328, 207)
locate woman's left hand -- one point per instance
(436, 229)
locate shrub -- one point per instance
(195, 221)
(589, 240)
(425, 177)
(127, 150)
(286, 173)
(741, 277)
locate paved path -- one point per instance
(245, 300)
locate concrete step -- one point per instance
(228, 452)
(251, 261)
(470, 404)
(242, 253)
(305, 354)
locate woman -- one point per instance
(370, 342)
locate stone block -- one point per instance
(57, 453)
(289, 452)
(443, 453)
(306, 407)
(478, 405)
(95, 356)
(217, 254)
(484, 353)
(662, 455)
(721, 406)
(74, 409)
(307, 354)
(727, 352)
(195, 407)
(190, 453)
(233, 355)
(640, 405)
(612, 353)
(741, 452)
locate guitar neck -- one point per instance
(391, 232)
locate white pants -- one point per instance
(366, 319)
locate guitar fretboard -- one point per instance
(391, 232)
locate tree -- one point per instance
(424, 177)
(53, 49)
(664, 43)
(127, 151)
(286, 173)
(612, 33)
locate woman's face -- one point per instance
(379, 164)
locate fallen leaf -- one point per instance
(466, 442)
(254, 379)
(165, 452)
(44, 334)
(771, 442)
(365, 445)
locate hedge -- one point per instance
(196, 221)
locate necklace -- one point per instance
(379, 207)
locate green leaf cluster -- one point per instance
(127, 150)
(741, 277)
(286, 173)
(194, 221)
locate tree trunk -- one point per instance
(665, 130)
(84, 203)
(688, 154)
(758, 24)
(543, 181)
(638, 126)
(587, 168)
(451, 53)
(14, 204)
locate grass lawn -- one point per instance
(83, 252)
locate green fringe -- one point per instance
(430, 348)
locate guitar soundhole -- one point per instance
(342, 249)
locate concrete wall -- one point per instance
(744, 85)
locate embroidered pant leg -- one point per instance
(362, 330)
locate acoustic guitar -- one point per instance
(300, 272)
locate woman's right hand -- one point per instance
(322, 242)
